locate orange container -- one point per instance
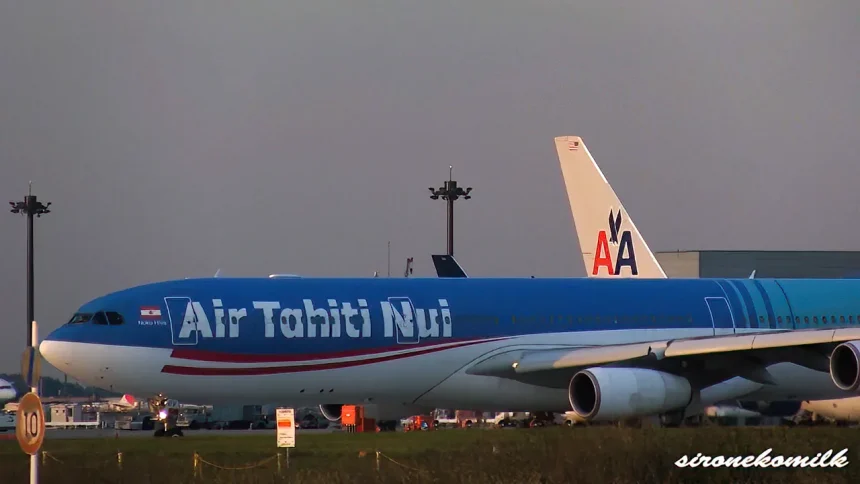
(353, 420)
(351, 414)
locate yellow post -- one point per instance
(196, 464)
(377, 461)
(119, 459)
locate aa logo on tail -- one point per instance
(622, 243)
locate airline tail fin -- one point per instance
(610, 243)
(446, 266)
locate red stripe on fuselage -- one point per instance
(273, 370)
(221, 357)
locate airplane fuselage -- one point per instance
(307, 341)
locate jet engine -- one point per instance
(331, 412)
(845, 366)
(601, 393)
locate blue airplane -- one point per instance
(608, 349)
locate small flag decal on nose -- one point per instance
(150, 312)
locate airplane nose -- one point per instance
(51, 351)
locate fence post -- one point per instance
(196, 465)
(377, 461)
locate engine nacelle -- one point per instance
(331, 412)
(620, 393)
(845, 366)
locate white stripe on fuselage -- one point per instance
(437, 378)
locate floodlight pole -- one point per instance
(30, 206)
(450, 192)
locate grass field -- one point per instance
(522, 456)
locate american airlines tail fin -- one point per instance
(610, 243)
(447, 266)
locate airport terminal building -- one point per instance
(767, 264)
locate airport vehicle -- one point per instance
(406, 346)
(138, 421)
(194, 417)
(166, 413)
(7, 421)
(7, 391)
(239, 417)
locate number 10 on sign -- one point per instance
(30, 427)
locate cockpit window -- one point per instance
(114, 318)
(100, 318)
(80, 318)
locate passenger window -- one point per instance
(815, 320)
(761, 319)
(833, 319)
(842, 319)
(850, 319)
(806, 319)
(100, 318)
(779, 320)
(114, 318)
(797, 319)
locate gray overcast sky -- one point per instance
(176, 138)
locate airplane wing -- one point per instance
(708, 360)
